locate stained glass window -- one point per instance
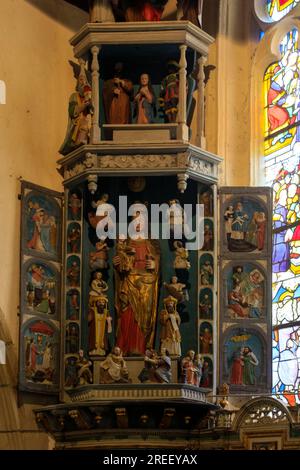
(277, 9)
(282, 165)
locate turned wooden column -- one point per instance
(95, 137)
(183, 131)
(201, 139)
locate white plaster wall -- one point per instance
(236, 42)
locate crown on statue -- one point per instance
(93, 299)
(169, 300)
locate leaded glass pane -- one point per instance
(281, 90)
(282, 172)
(277, 9)
(286, 355)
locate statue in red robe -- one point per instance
(136, 294)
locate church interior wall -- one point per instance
(34, 65)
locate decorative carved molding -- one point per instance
(183, 159)
(195, 163)
(42, 420)
(166, 420)
(200, 166)
(180, 161)
(89, 161)
(92, 183)
(224, 419)
(60, 418)
(122, 418)
(79, 419)
(115, 417)
(133, 394)
(261, 412)
(138, 161)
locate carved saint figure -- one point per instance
(163, 371)
(80, 112)
(250, 362)
(137, 275)
(187, 368)
(98, 286)
(206, 375)
(259, 219)
(208, 244)
(74, 237)
(113, 369)
(145, 101)
(73, 274)
(100, 325)
(44, 233)
(75, 206)
(169, 93)
(117, 94)
(181, 256)
(237, 365)
(206, 199)
(191, 368)
(198, 365)
(170, 337)
(125, 254)
(205, 306)
(239, 223)
(207, 273)
(176, 289)
(228, 217)
(157, 369)
(206, 341)
(176, 218)
(84, 374)
(73, 304)
(98, 258)
(147, 374)
(41, 289)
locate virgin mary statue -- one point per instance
(136, 294)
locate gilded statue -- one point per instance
(136, 294)
(170, 338)
(100, 325)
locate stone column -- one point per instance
(201, 140)
(95, 134)
(183, 131)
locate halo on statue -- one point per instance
(136, 184)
